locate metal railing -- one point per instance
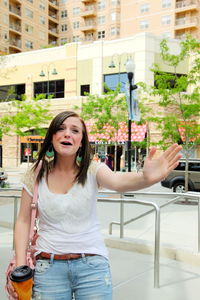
(157, 209)
(125, 199)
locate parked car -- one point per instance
(3, 177)
(176, 179)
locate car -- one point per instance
(3, 177)
(176, 179)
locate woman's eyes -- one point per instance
(73, 130)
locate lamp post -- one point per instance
(42, 74)
(130, 67)
(119, 57)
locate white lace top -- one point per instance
(68, 222)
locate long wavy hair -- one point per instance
(85, 148)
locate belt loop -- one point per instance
(83, 257)
(51, 258)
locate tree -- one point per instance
(26, 115)
(107, 110)
(178, 95)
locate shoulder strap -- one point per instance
(34, 204)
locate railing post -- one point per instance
(121, 217)
(157, 248)
(14, 215)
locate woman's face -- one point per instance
(67, 140)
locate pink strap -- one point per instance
(34, 205)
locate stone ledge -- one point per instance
(183, 255)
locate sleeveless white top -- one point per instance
(68, 222)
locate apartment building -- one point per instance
(34, 24)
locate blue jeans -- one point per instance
(86, 278)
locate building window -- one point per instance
(10, 92)
(114, 31)
(63, 1)
(89, 37)
(76, 25)
(42, 35)
(144, 24)
(101, 4)
(5, 2)
(112, 80)
(166, 20)
(101, 34)
(115, 2)
(64, 27)
(28, 44)
(85, 88)
(5, 19)
(76, 11)
(42, 5)
(52, 87)
(63, 41)
(31, 1)
(75, 38)
(29, 13)
(101, 20)
(113, 16)
(28, 28)
(166, 3)
(5, 35)
(63, 13)
(144, 8)
(42, 20)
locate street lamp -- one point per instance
(119, 56)
(130, 67)
(42, 74)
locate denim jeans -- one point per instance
(86, 278)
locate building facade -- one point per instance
(66, 72)
(34, 24)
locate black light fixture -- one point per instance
(42, 74)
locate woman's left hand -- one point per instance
(157, 169)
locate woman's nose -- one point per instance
(67, 132)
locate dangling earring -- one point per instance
(78, 158)
(49, 155)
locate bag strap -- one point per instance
(34, 205)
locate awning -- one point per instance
(137, 133)
(192, 126)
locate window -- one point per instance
(114, 31)
(63, 13)
(29, 13)
(89, 37)
(75, 38)
(144, 24)
(76, 11)
(101, 34)
(144, 8)
(64, 27)
(5, 2)
(112, 81)
(42, 20)
(63, 41)
(42, 5)
(5, 35)
(85, 88)
(15, 92)
(28, 44)
(101, 4)
(76, 25)
(52, 87)
(5, 19)
(42, 35)
(166, 35)
(31, 1)
(166, 3)
(63, 1)
(115, 2)
(169, 80)
(166, 20)
(113, 16)
(28, 28)
(101, 20)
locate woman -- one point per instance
(71, 258)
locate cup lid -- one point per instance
(21, 273)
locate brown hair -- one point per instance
(85, 148)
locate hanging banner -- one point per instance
(133, 107)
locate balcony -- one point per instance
(53, 31)
(15, 43)
(186, 22)
(15, 27)
(89, 11)
(53, 17)
(53, 3)
(16, 11)
(186, 5)
(88, 26)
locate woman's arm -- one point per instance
(22, 226)
(154, 170)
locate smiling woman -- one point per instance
(68, 224)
